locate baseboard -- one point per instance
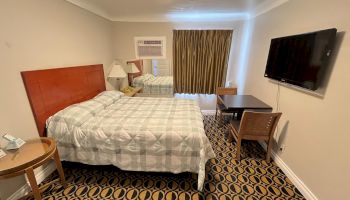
(213, 112)
(291, 175)
(208, 112)
(40, 177)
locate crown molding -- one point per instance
(266, 6)
(92, 9)
(262, 8)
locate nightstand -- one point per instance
(133, 92)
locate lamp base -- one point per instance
(118, 84)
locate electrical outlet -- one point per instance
(282, 147)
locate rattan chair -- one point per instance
(220, 107)
(255, 126)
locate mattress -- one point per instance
(154, 85)
(134, 133)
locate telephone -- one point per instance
(2, 153)
(127, 89)
(13, 142)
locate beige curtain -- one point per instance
(200, 60)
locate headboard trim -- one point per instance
(51, 90)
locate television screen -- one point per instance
(300, 59)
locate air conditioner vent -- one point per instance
(150, 47)
(151, 42)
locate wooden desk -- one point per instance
(239, 103)
(31, 155)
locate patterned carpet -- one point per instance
(251, 178)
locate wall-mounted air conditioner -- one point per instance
(150, 47)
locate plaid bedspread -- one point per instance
(134, 133)
(154, 85)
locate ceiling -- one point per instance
(176, 10)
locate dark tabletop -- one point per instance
(243, 102)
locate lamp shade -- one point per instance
(117, 72)
(133, 68)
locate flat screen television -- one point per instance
(302, 59)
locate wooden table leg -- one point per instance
(239, 114)
(59, 168)
(229, 132)
(33, 184)
(230, 137)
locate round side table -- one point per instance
(31, 155)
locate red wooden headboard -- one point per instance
(51, 90)
(139, 65)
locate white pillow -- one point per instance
(92, 106)
(148, 77)
(108, 97)
(73, 115)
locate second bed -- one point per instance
(160, 85)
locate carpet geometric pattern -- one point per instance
(226, 178)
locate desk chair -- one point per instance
(220, 107)
(255, 126)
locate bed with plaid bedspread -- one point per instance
(154, 85)
(134, 133)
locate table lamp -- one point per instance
(133, 69)
(117, 72)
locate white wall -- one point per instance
(316, 131)
(43, 34)
(38, 35)
(124, 33)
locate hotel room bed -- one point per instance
(154, 85)
(133, 133)
(95, 126)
